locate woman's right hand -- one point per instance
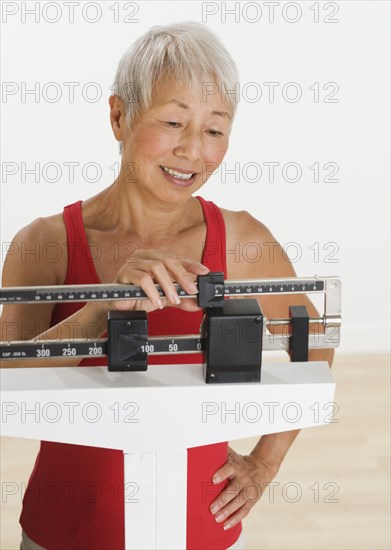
(145, 268)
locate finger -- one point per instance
(169, 269)
(247, 495)
(235, 500)
(162, 268)
(223, 473)
(150, 271)
(161, 274)
(195, 267)
(190, 305)
(236, 517)
(159, 265)
(190, 270)
(142, 278)
(180, 274)
(231, 492)
(133, 305)
(184, 271)
(187, 304)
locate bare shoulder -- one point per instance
(252, 250)
(37, 253)
(242, 224)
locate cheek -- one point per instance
(152, 145)
(216, 153)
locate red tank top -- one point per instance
(74, 498)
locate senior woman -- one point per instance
(150, 228)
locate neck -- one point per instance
(126, 209)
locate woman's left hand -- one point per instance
(248, 478)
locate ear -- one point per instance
(117, 117)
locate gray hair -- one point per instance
(188, 52)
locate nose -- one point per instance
(189, 146)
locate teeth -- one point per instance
(177, 174)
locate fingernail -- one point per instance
(193, 288)
(175, 298)
(159, 303)
(219, 517)
(216, 479)
(214, 508)
(227, 526)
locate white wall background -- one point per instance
(346, 52)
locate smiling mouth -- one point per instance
(179, 175)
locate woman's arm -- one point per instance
(259, 468)
(27, 264)
(31, 322)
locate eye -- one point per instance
(172, 123)
(215, 133)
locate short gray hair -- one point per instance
(188, 52)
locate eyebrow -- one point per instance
(185, 106)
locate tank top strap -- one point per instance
(80, 263)
(214, 255)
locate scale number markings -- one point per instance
(69, 352)
(95, 350)
(42, 352)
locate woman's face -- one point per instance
(176, 144)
